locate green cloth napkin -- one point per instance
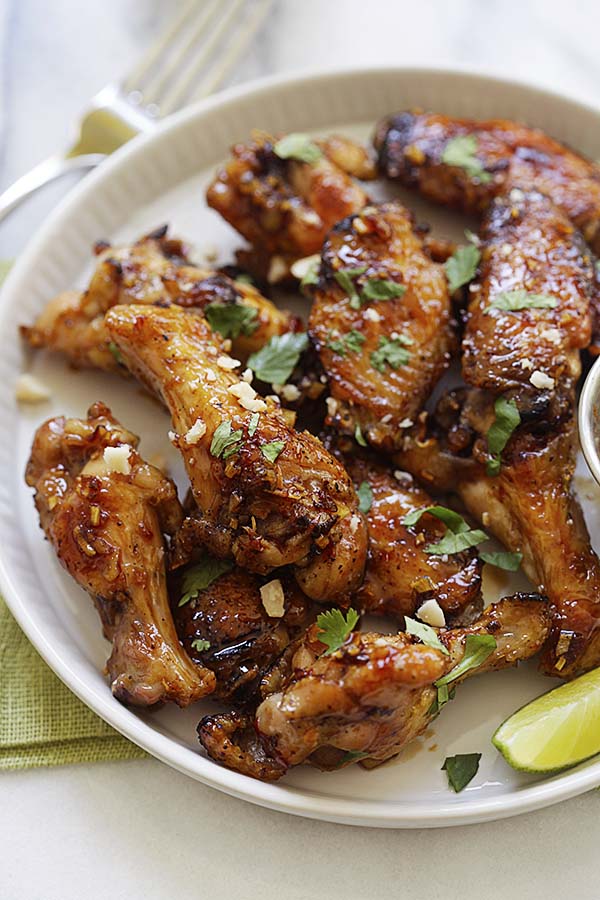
(41, 722)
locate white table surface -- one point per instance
(139, 829)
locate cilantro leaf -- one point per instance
(272, 450)
(461, 267)
(116, 353)
(348, 343)
(358, 437)
(507, 419)
(511, 562)
(426, 634)
(513, 301)
(391, 352)
(200, 645)
(382, 289)
(365, 497)
(461, 769)
(297, 146)
(275, 362)
(231, 319)
(477, 649)
(455, 543)
(253, 424)
(460, 152)
(335, 628)
(345, 279)
(225, 442)
(201, 575)
(311, 276)
(452, 519)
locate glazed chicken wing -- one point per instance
(400, 576)
(268, 495)
(381, 323)
(367, 700)
(105, 510)
(284, 207)
(417, 148)
(154, 270)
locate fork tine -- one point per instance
(135, 78)
(221, 70)
(194, 30)
(173, 98)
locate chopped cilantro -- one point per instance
(275, 362)
(201, 575)
(391, 352)
(348, 343)
(460, 152)
(298, 146)
(335, 628)
(232, 319)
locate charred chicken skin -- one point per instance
(413, 148)
(284, 207)
(365, 701)
(106, 522)
(268, 495)
(153, 270)
(383, 356)
(400, 576)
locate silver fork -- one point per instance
(190, 60)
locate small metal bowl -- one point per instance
(589, 420)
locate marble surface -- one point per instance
(138, 829)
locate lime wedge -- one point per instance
(555, 731)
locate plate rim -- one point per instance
(280, 797)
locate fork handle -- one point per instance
(42, 174)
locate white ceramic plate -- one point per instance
(160, 178)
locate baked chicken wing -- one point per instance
(367, 700)
(104, 510)
(268, 495)
(285, 206)
(153, 270)
(381, 323)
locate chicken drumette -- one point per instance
(268, 495)
(381, 323)
(104, 510)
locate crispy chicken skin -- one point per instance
(107, 529)
(244, 640)
(284, 208)
(400, 576)
(530, 507)
(368, 391)
(301, 508)
(153, 270)
(529, 245)
(410, 146)
(367, 700)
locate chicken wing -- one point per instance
(104, 510)
(154, 270)
(367, 700)
(400, 576)
(284, 207)
(420, 150)
(268, 495)
(381, 323)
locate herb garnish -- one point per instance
(232, 319)
(311, 276)
(201, 575)
(365, 497)
(391, 351)
(507, 419)
(513, 301)
(477, 649)
(351, 756)
(116, 353)
(461, 267)
(335, 628)
(200, 645)
(272, 450)
(225, 442)
(253, 424)
(426, 634)
(460, 151)
(297, 146)
(461, 769)
(358, 437)
(459, 535)
(382, 289)
(275, 362)
(348, 343)
(345, 279)
(510, 562)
